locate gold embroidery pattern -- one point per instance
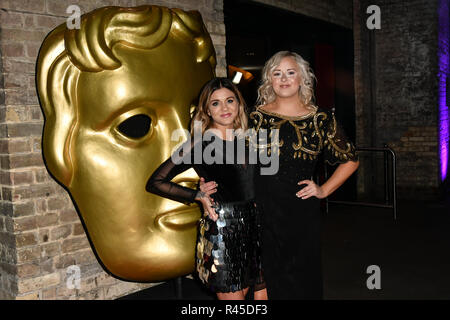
(305, 148)
(257, 122)
(273, 125)
(332, 142)
(300, 149)
(302, 133)
(294, 118)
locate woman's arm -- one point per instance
(340, 175)
(209, 187)
(204, 199)
(160, 181)
(337, 149)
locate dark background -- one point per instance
(255, 32)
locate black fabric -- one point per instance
(235, 236)
(291, 250)
(235, 180)
(228, 250)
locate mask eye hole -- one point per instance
(135, 127)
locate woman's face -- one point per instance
(223, 107)
(286, 78)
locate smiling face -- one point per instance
(223, 107)
(285, 78)
(125, 120)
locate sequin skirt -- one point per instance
(228, 249)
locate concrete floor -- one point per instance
(413, 254)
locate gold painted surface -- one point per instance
(124, 62)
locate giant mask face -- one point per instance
(112, 93)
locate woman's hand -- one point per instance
(208, 187)
(207, 205)
(311, 189)
(339, 176)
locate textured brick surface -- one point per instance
(337, 12)
(40, 231)
(396, 93)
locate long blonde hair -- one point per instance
(266, 94)
(200, 114)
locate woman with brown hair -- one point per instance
(228, 249)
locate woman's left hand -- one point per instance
(311, 189)
(209, 188)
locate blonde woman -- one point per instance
(291, 226)
(228, 252)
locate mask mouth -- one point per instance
(180, 219)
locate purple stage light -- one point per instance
(443, 56)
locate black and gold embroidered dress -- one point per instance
(291, 227)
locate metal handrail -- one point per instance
(388, 204)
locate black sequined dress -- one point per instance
(228, 250)
(291, 227)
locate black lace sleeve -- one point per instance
(160, 181)
(337, 147)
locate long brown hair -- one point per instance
(200, 113)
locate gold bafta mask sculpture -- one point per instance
(112, 93)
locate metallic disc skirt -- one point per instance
(228, 250)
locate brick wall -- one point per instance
(396, 92)
(337, 12)
(395, 72)
(418, 169)
(40, 232)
